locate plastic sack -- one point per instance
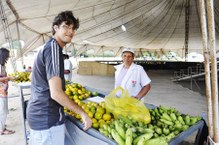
(125, 105)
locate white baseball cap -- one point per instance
(128, 50)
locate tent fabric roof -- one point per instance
(150, 24)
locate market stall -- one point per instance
(76, 135)
(199, 128)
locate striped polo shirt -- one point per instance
(43, 112)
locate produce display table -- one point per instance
(76, 135)
(72, 136)
(22, 87)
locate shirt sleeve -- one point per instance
(67, 65)
(52, 61)
(145, 80)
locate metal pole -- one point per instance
(207, 66)
(211, 30)
(19, 49)
(7, 34)
(187, 14)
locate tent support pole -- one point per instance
(211, 30)
(207, 66)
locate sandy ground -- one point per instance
(163, 92)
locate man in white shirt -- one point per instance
(132, 77)
(68, 68)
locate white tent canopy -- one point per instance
(151, 24)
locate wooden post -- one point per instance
(211, 30)
(207, 66)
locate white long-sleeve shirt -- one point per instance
(133, 79)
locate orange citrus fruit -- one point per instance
(77, 116)
(100, 110)
(94, 120)
(75, 97)
(98, 115)
(90, 114)
(107, 117)
(81, 97)
(95, 125)
(101, 122)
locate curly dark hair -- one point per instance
(68, 18)
(4, 55)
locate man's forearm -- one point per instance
(143, 92)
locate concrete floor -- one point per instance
(163, 92)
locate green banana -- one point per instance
(181, 120)
(146, 136)
(187, 119)
(156, 141)
(157, 112)
(185, 127)
(120, 130)
(144, 130)
(166, 116)
(141, 141)
(176, 132)
(173, 117)
(117, 137)
(178, 125)
(105, 126)
(104, 132)
(193, 120)
(164, 109)
(158, 130)
(166, 131)
(170, 136)
(128, 137)
(166, 122)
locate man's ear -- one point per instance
(55, 27)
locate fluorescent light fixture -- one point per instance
(87, 42)
(123, 28)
